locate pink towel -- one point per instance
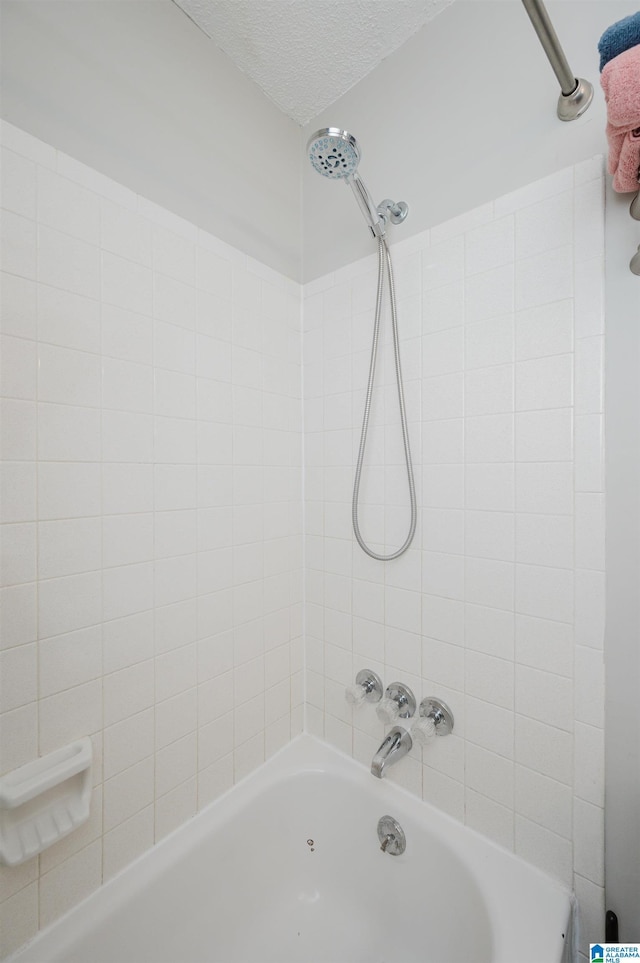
(620, 81)
(624, 159)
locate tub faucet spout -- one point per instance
(395, 745)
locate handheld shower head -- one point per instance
(335, 154)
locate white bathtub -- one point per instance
(242, 883)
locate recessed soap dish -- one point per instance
(44, 801)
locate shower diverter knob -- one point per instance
(399, 703)
(387, 711)
(367, 688)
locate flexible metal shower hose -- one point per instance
(384, 257)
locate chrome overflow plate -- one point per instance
(391, 836)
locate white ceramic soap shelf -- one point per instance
(44, 801)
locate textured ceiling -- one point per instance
(304, 54)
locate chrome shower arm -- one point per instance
(576, 94)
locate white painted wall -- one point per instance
(136, 91)
(622, 650)
(464, 112)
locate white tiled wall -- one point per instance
(151, 516)
(498, 607)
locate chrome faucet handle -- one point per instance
(436, 719)
(423, 730)
(399, 703)
(367, 688)
(387, 711)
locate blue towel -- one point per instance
(619, 37)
